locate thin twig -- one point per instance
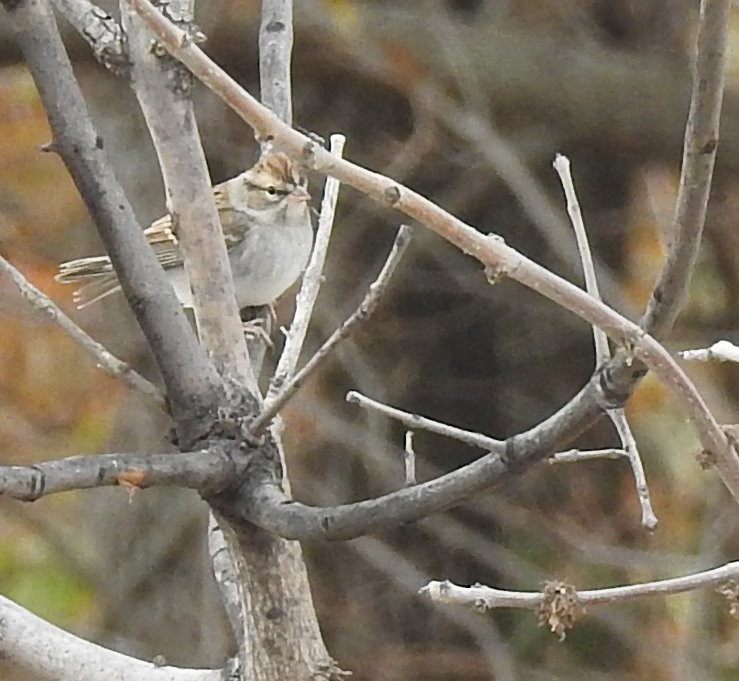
(602, 351)
(361, 314)
(414, 421)
(469, 437)
(108, 362)
(578, 455)
(312, 280)
(648, 518)
(720, 351)
(409, 459)
(562, 166)
(446, 592)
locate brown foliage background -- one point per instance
(605, 82)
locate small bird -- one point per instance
(266, 224)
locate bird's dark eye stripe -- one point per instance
(270, 190)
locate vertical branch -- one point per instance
(275, 54)
(562, 166)
(279, 637)
(699, 156)
(163, 88)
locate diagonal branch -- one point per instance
(365, 310)
(417, 422)
(109, 363)
(414, 421)
(187, 373)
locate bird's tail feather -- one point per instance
(99, 279)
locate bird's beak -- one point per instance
(299, 195)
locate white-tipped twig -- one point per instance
(577, 455)
(361, 314)
(110, 364)
(720, 351)
(312, 279)
(602, 350)
(562, 166)
(409, 459)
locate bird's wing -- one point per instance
(163, 239)
(234, 223)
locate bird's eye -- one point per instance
(271, 190)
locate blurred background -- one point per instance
(466, 101)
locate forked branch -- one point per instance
(492, 252)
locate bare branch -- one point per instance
(208, 471)
(416, 422)
(57, 655)
(409, 459)
(163, 87)
(365, 310)
(524, 185)
(225, 574)
(469, 437)
(492, 252)
(446, 592)
(312, 279)
(648, 517)
(187, 373)
(720, 351)
(275, 55)
(101, 31)
(262, 501)
(562, 166)
(578, 455)
(699, 155)
(602, 351)
(110, 364)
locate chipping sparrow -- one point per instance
(266, 225)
